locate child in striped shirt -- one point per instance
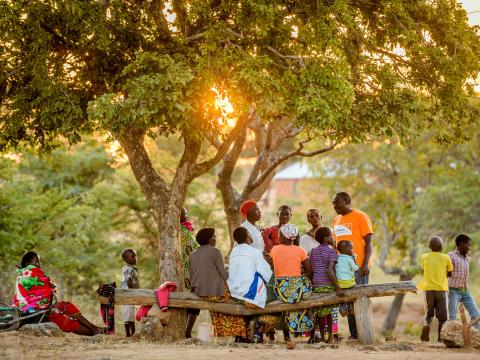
(458, 287)
(323, 259)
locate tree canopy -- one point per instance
(349, 68)
(332, 70)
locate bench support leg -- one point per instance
(363, 318)
(175, 329)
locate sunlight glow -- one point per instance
(222, 103)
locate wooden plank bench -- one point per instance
(359, 295)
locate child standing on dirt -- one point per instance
(129, 281)
(436, 268)
(323, 259)
(458, 283)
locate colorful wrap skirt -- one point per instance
(292, 290)
(324, 310)
(329, 309)
(227, 324)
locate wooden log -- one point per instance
(363, 319)
(190, 300)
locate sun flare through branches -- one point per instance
(225, 107)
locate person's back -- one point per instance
(287, 260)
(207, 272)
(320, 258)
(436, 268)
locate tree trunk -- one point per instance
(166, 204)
(394, 311)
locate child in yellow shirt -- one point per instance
(436, 268)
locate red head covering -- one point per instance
(246, 206)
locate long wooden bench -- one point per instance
(359, 295)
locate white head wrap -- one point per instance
(289, 231)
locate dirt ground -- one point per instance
(16, 346)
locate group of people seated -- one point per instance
(275, 264)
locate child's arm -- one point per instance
(128, 277)
(449, 267)
(354, 265)
(333, 278)
(308, 267)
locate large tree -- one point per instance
(337, 70)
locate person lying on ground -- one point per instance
(35, 291)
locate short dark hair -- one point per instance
(321, 233)
(204, 235)
(461, 239)
(126, 251)
(27, 258)
(284, 207)
(345, 196)
(342, 244)
(240, 235)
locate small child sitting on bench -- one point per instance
(345, 271)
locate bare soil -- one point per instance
(16, 346)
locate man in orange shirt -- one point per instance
(355, 226)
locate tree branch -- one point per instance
(298, 152)
(156, 10)
(203, 167)
(151, 183)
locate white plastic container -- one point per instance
(205, 332)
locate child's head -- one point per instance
(241, 236)
(435, 244)
(345, 247)
(288, 233)
(324, 235)
(284, 214)
(206, 236)
(464, 243)
(129, 256)
(30, 258)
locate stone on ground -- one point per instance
(151, 329)
(42, 329)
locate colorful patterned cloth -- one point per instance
(33, 290)
(292, 290)
(189, 244)
(324, 310)
(227, 324)
(107, 311)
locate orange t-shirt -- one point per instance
(353, 227)
(287, 260)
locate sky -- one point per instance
(472, 5)
(473, 8)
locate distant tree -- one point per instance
(412, 191)
(56, 205)
(335, 70)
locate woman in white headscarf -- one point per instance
(290, 285)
